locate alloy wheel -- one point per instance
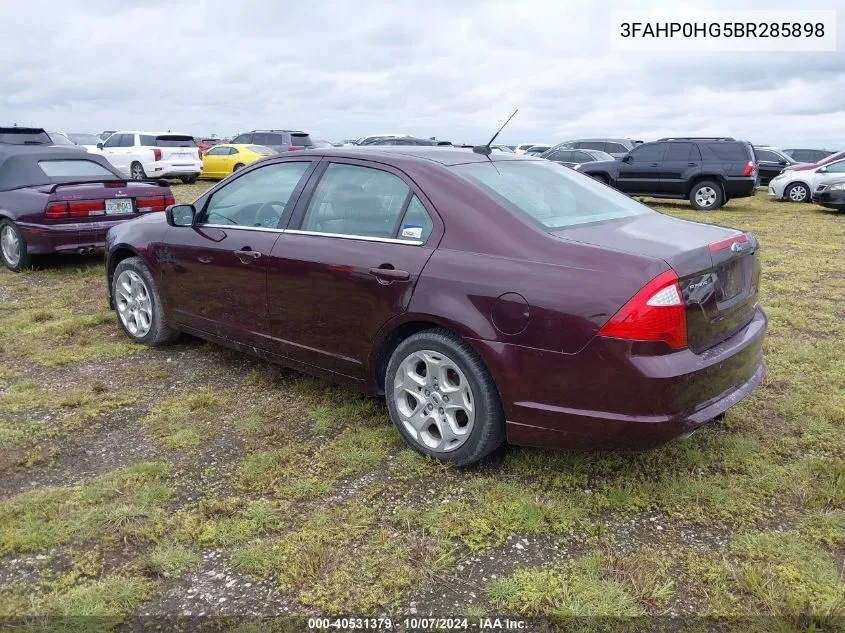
(705, 197)
(11, 245)
(137, 172)
(434, 400)
(798, 193)
(133, 303)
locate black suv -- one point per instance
(707, 171)
(277, 140)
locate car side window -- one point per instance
(268, 138)
(766, 155)
(615, 148)
(837, 167)
(416, 224)
(678, 152)
(599, 145)
(648, 152)
(561, 155)
(218, 151)
(581, 157)
(256, 199)
(243, 138)
(354, 200)
(113, 140)
(694, 153)
(127, 140)
(232, 150)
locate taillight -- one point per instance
(156, 154)
(727, 243)
(749, 169)
(169, 200)
(655, 313)
(56, 210)
(84, 208)
(293, 148)
(149, 204)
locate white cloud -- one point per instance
(345, 68)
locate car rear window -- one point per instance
(549, 194)
(73, 169)
(728, 151)
(24, 136)
(175, 140)
(300, 139)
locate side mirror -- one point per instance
(180, 214)
(99, 146)
(821, 170)
(627, 158)
(781, 162)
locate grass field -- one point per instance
(192, 479)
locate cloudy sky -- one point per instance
(450, 69)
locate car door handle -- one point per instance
(386, 275)
(654, 164)
(692, 164)
(245, 254)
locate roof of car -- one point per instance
(151, 133)
(435, 153)
(19, 164)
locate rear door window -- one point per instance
(73, 169)
(268, 138)
(581, 157)
(679, 152)
(357, 201)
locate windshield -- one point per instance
(60, 139)
(598, 154)
(549, 194)
(84, 139)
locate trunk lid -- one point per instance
(177, 147)
(718, 268)
(95, 201)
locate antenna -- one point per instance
(485, 149)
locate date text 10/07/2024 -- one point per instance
(416, 624)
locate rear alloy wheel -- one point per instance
(137, 171)
(442, 399)
(237, 167)
(138, 305)
(12, 246)
(797, 192)
(706, 195)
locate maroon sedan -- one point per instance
(64, 201)
(487, 297)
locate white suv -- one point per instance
(142, 155)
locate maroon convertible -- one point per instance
(486, 297)
(63, 201)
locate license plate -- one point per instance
(119, 207)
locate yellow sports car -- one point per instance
(221, 160)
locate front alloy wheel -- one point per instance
(133, 304)
(434, 400)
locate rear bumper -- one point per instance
(609, 396)
(42, 239)
(740, 187)
(173, 169)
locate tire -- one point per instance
(135, 271)
(13, 250)
(706, 196)
(797, 192)
(189, 180)
(237, 167)
(136, 171)
(413, 395)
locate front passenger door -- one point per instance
(214, 274)
(639, 170)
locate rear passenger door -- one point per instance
(348, 263)
(681, 163)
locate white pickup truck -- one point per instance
(142, 155)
